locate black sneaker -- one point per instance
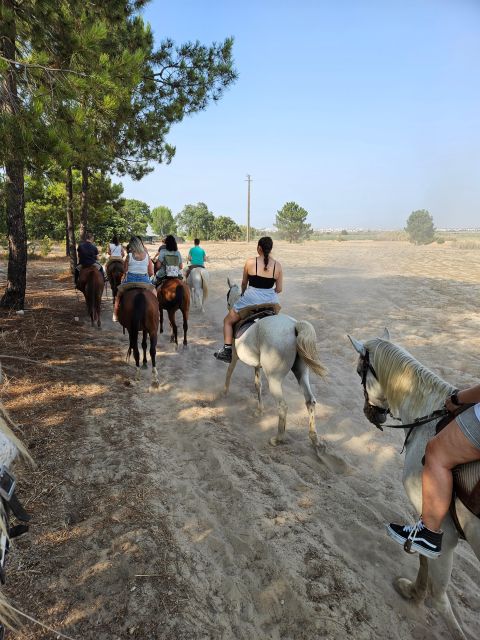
(417, 537)
(225, 355)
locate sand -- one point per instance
(257, 541)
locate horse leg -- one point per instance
(161, 319)
(185, 328)
(230, 369)
(258, 387)
(136, 355)
(417, 590)
(275, 386)
(144, 347)
(174, 336)
(301, 373)
(440, 570)
(153, 353)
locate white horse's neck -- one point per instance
(411, 390)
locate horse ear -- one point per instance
(230, 284)
(386, 334)
(357, 345)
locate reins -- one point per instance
(418, 422)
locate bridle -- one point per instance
(366, 367)
(371, 410)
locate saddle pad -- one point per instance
(258, 308)
(244, 324)
(466, 477)
(466, 484)
(136, 285)
(113, 259)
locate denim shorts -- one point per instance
(470, 426)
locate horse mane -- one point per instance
(233, 295)
(408, 385)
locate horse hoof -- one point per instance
(155, 384)
(404, 587)
(144, 365)
(185, 346)
(275, 441)
(258, 413)
(172, 339)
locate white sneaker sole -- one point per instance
(415, 547)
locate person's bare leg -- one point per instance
(230, 319)
(444, 452)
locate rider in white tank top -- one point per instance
(139, 267)
(116, 250)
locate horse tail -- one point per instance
(204, 283)
(8, 617)
(307, 347)
(90, 294)
(138, 314)
(179, 295)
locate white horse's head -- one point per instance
(375, 407)
(233, 293)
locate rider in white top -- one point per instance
(116, 250)
(139, 267)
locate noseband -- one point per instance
(372, 409)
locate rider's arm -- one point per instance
(472, 394)
(279, 280)
(123, 252)
(125, 267)
(109, 251)
(180, 266)
(245, 278)
(189, 257)
(150, 268)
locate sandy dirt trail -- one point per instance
(179, 520)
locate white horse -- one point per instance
(278, 344)
(411, 391)
(198, 283)
(10, 448)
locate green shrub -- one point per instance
(440, 240)
(45, 246)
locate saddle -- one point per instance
(113, 259)
(136, 285)
(250, 315)
(466, 479)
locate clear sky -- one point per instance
(361, 111)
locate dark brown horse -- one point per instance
(173, 294)
(138, 311)
(91, 284)
(115, 270)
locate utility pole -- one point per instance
(248, 180)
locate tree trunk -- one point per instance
(14, 296)
(70, 222)
(84, 204)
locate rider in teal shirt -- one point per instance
(196, 257)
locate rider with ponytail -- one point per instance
(262, 281)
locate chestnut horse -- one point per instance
(138, 311)
(91, 284)
(173, 294)
(115, 270)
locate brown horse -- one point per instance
(173, 294)
(138, 311)
(91, 284)
(115, 270)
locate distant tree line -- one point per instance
(85, 93)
